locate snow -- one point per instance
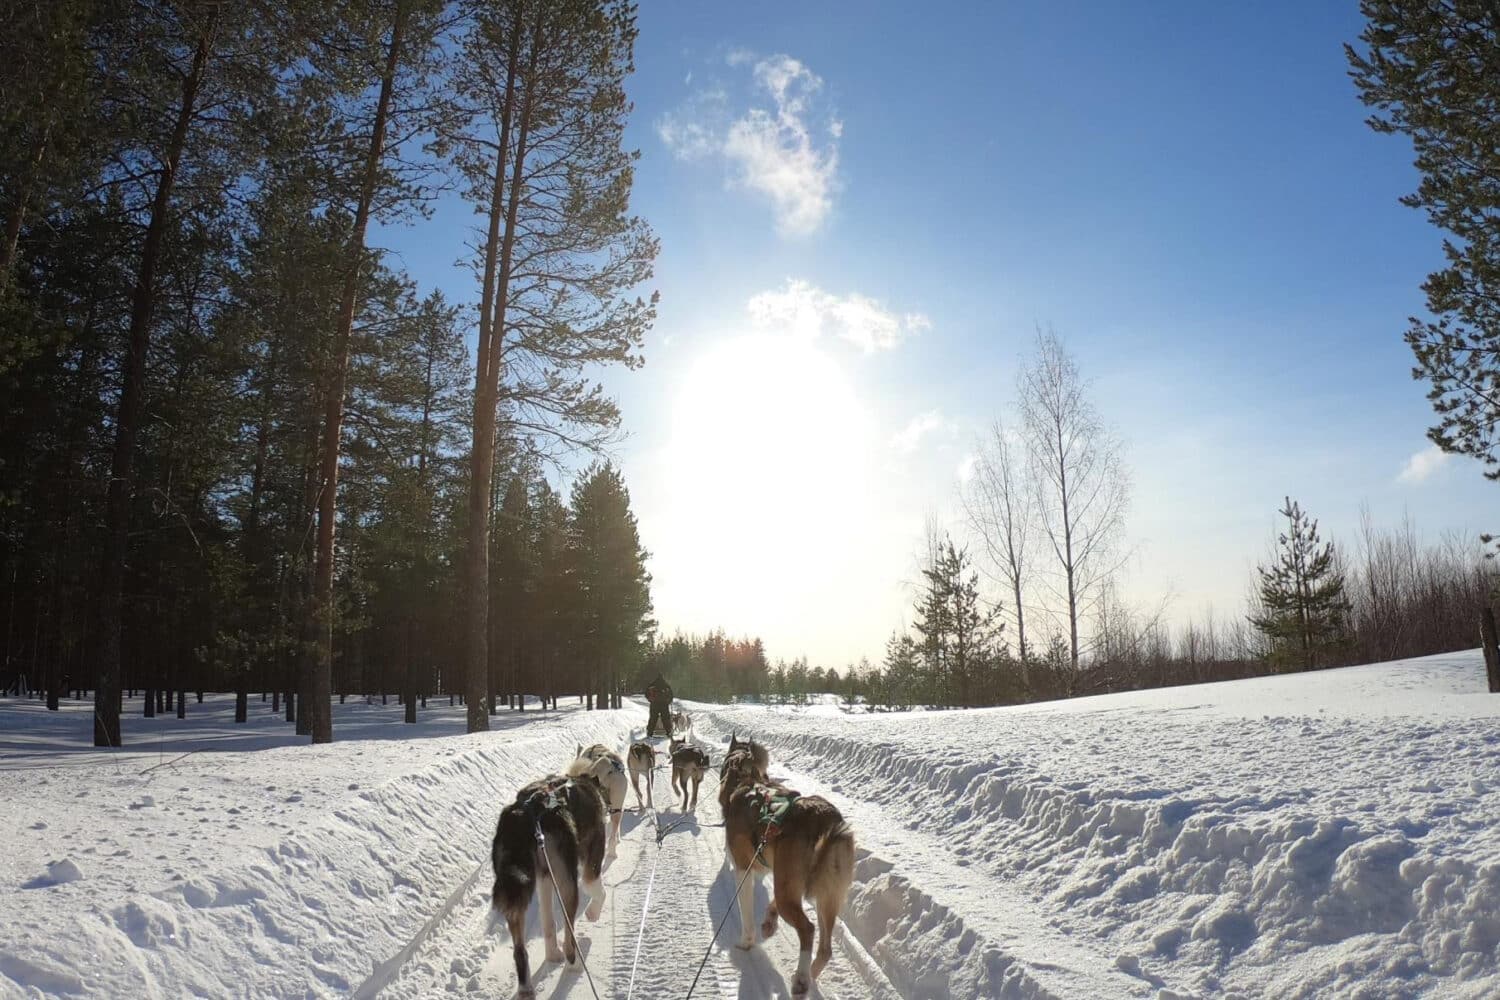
(1329, 834)
(1326, 834)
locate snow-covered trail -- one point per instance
(463, 950)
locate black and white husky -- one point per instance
(570, 814)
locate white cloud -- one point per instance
(807, 311)
(909, 438)
(1423, 464)
(692, 132)
(769, 150)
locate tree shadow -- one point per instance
(30, 736)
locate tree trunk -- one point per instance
(493, 299)
(320, 708)
(127, 422)
(1487, 637)
(241, 703)
(409, 689)
(17, 215)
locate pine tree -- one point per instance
(902, 676)
(188, 76)
(959, 633)
(610, 581)
(552, 654)
(1304, 614)
(513, 585)
(1431, 71)
(543, 161)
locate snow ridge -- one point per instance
(1330, 869)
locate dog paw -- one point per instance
(768, 926)
(572, 956)
(595, 909)
(525, 993)
(801, 985)
(745, 944)
(554, 954)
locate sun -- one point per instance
(769, 465)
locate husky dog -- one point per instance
(758, 753)
(807, 846)
(689, 763)
(606, 767)
(642, 760)
(570, 813)
(681, 723)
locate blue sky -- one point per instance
(864, 215)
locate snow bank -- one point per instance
(1295, 836)
(294, 872)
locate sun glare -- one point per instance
(769, 460)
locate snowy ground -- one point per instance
(1332, 834)
(1328, 834)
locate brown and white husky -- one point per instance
(758, 753)
(806, 845)
(642, 761)
(570, 812)
(689, 763)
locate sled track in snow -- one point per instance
(459, 949)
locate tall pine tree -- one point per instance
(1431, 71)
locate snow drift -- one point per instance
(1329, 834)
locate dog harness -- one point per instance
(773, 803)
(548, 798)
(690, 755)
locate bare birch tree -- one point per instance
(999, 503)
(1082, 489)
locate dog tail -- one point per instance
(514, 856)
(832, 863)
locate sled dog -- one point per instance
(808, 848)
(606, 767)
(570, 812)
(642, 761)
(758, 753)
(689, 763)
(682, 724)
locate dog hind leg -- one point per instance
(549, 925)
(569, 887)
(828, 915)
(789, 903)
(516, 921)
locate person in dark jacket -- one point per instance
(659, 694)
